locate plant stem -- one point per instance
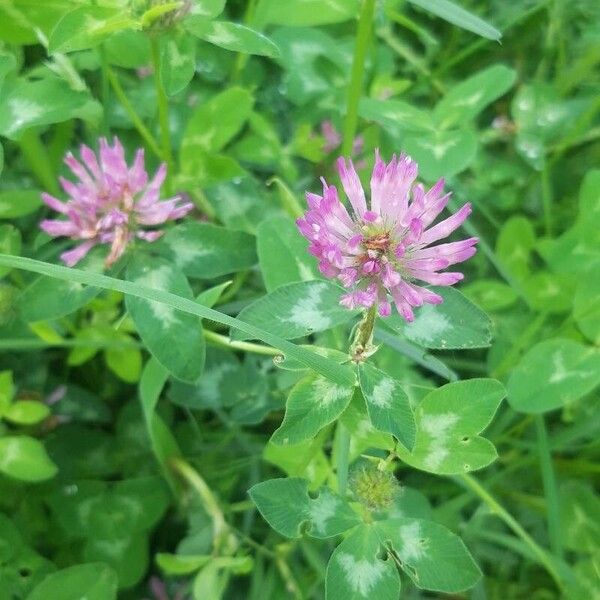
(37, 159)
(540, 553)
(163, 111)
(363, 36)
(550, 488)
(547, 200)
(135, 119)
(223, 341)
(342, 455)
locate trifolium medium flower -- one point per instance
(384, 251)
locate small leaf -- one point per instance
(41, 102)
(431, 555)
(25, 458)
(85, 27)
(467, 99)
(490, 294)
(206, 251)
(92, 581)
(395, 113)
(26, 412)
(286, 506)
(441, 153)
(387, 404)
(455, 323)
(586, 304)
(296, 310)
(177, 63)
(356, 570)
(304, 12)
(18, 203)
(215, 122)
(208, 9)
(552, 374)
(455, 14)
(232, 36)
(313, 403)
(48, 298)
(174, 564)
(283, 253)
(156, 322)
(448, 421)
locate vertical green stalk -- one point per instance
(38, 161)
(163, 111)
(547, 200)
(342, 456)
(550, 487)
(363, 36)
(105, 89)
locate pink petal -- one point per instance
(352, 186)
(446, 227)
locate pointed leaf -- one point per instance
(296, 310)
(448, 421)
(456, 323)
(313, 403)
(552, 374)
(387, 404)
(356, 570)
(156, 323)
(286, 506)
(432, 556)
(205, 251)
(25, 458)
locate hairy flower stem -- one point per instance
(131, 112)
(362, 345)
(363, 36)
(163, 111)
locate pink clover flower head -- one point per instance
(110, 203)
(384, 251)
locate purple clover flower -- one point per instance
(383, 251)
(110, 203)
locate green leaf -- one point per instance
(215, 122)
(206, 251)
(232, 36)
(92, 581)
(432, 556)
(586, 304)
(552, 374)
(467, 99)
(10, 243)
(86, 26)
(395, 113)
(177, 63)
(515, 244)
(448, 420)
(313, 403)
(208, 9)
(18, 203)
(7, 389)
(26, 412)
(289, 510)
(125, 363)
(283, 253)
(441, 153)
(174, 564)
(296, 310)
(356, 570)
(50, 298)
(156, 322)
(326, 367)
(455, 14)
(580, 517)
(25, 458)
(387, 404)
(304, 12)
(33, 103)
(456, 323)
(490, 294)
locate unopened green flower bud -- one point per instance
(8, 303)
(160, 14)
(374, 488)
